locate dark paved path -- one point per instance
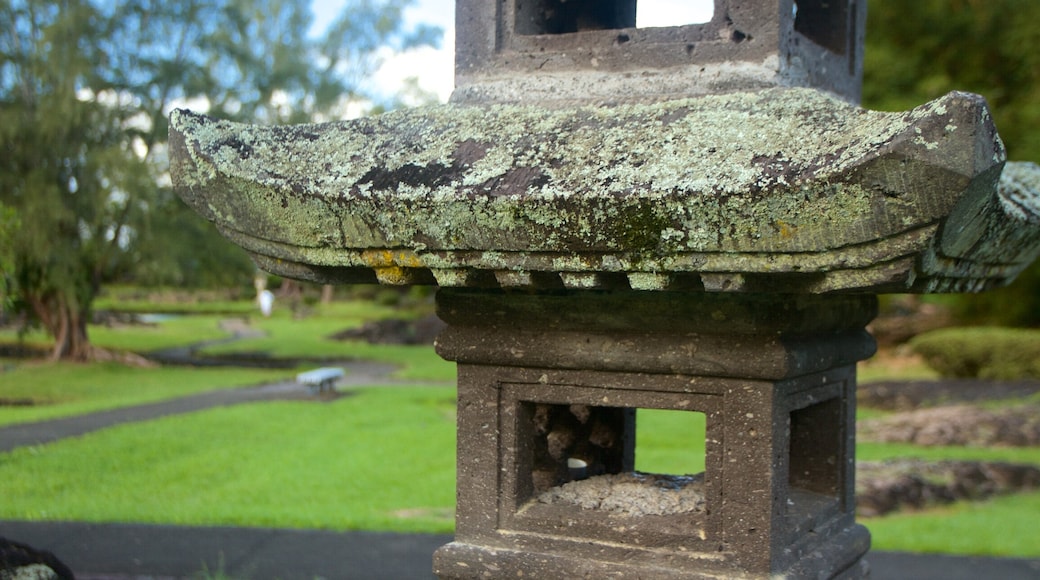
(358, 373)
(139, 552)
(40, 432)
(121, 551)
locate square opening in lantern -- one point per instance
(563, 443)
(828, 23)
(538, 17)
(815, 458)
(622, 461)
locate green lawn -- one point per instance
(669, 441)
(1003, 526)
(882, 451)
(380, 459)
(886, 368)
(383, 459)
(173, 332)
(308, 337)
(170, 333)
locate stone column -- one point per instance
(545, 377)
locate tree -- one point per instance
(917, 51)
(8, 223)
(85, 90)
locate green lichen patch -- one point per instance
(778, 172)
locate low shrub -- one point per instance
(981, 352)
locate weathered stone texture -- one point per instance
(552, 50)
(548, 377)
(785, 190)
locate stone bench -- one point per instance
(321, 380)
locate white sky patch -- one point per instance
(435, 68)
(197, 104)
(650, 13)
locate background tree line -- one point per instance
(85, 90)
(918, 50)
(86, 87)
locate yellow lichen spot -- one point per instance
(785, 230)
(391, 259)
(393, 276)
(407, 259)
(377, 258)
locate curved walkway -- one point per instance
(358, 373)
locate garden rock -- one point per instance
(957, 425)
(21, 562)
(910, 395)
(884, 487)
(395, 331)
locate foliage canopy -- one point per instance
(917, 51)
(85, 90)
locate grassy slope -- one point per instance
(287, 337)
(1003, 526)
(312, 465)
(381, 459)
(65, 389)
(174, 332)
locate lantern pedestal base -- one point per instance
(549, 381)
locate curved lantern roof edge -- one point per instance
(775, 190)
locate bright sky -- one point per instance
(435, 68)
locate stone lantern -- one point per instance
(696, 218)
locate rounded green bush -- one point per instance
(981, 352)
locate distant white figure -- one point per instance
(266, 300)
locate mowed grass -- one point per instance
(669, 441)
(383, 459)
(1001, 526)
(67, 389)
(882, 451)
(379, 459)
(309, 338)
(177, 331)
(140, 338)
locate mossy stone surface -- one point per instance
(780, 182)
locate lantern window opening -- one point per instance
(828, 23)
(551, 17)
(578, 451)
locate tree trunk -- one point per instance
(67, 323)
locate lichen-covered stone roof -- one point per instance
(777, 190)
